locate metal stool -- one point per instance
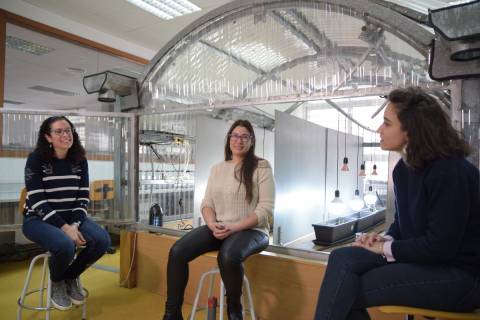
(411, 312)
(41, 306)
(212, 274)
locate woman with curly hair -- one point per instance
(56, 179)
(430, 255)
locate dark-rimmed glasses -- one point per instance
(243, 137)
(61, 132)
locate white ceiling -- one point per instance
(124, 20)
(117, 18)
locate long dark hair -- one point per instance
(75, 154)
(249, 163)
(429, 131)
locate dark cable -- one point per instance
(358, 149)
(338, 134)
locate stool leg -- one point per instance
(250, 299)
(42, 282)
(197, 294)
(49, 296)
(210, 287)
(84, 311)
(84, 305)
(222, 298)
(210, 291)
(21, 300)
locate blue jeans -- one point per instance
(357, 279)
(62, 264)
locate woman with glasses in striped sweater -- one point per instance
(56, 179)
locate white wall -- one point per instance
(307, 167)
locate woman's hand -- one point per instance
(376, 247)
(223, 230)
(73, 233)
(370, 241)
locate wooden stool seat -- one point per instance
(429, 313)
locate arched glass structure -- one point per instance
(252, 52)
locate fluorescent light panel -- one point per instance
(166, 9)
(26, 46)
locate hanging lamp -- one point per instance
(357, 203)
(370, 198)
(361, 172)
(337, 207)
(345, 158)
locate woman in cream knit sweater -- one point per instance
(236, 208)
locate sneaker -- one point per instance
(59, 297)
(75, 292)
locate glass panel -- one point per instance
(166, 170)
(105, 139)
(311, 49)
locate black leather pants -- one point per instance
(232, 252)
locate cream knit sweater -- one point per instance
(226, 196)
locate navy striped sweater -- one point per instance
(57, 190)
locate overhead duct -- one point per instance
(110, 84)
(455, 53)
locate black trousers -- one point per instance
(357, 279)
(232, 252)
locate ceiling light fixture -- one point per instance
(166, 9)
(26, 46)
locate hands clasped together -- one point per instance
(222, 230)
(371, 241)
(74, 234)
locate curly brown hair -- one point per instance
(429, 130)
(75, 154)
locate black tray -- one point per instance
(328, 243)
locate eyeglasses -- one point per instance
(243, 137)
(60, 132)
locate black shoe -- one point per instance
(111, 250)
(234, 312)
(173, 313)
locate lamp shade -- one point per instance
(337, 207)
(356, 203)
(370, 198)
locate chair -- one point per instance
(411, 312)
(21, 200)
(101, 191)
(212, 273)
(47, 307)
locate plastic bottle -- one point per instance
(155, 217)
